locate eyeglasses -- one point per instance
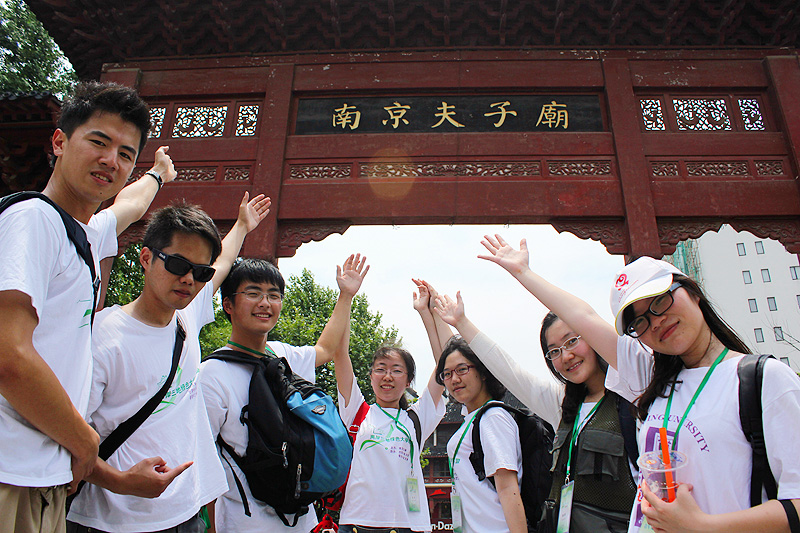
(382, 371)
(658, 307)
(460, 370)
(180, 267)
(569, 344)
(256, 296)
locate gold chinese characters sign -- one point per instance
(443, 114)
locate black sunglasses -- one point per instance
(180, 267)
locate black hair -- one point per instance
(90, 97)
(181, 218)
(574, 393)
(253, 270)
(411, 366)
(493, 386)
(666, 367)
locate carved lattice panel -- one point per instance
(579, 168)
(662, 169)
(319, 172)
(770, 168)
(196, 174)
(200, 121)
(238, 173)
(752, 118)
(716, 168)
(652, 115)
(702, 114)
(246, 120)
(157, 121)
(412, 170)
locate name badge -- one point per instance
(412, 490)
(565, 507)
(455, 508)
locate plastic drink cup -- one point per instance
(662, 479)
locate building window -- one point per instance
(759, 335)
(759, 247)
(795, 272)
(740, 248)
(765, 275)
(778, 333)
(785, 361)
(747, 278)
(753, 305)
(773, 305)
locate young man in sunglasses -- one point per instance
(47, 295)
(161, 476)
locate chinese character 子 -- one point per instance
(396, 114)
(446, 114)
(502, 111)
(346, 116)
(553, 115)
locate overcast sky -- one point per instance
(446, 256)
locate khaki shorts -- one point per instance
(33, 509)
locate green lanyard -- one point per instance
(399, 425)
(691, 403)
(576, 429)
(451, 461)
(267, 349)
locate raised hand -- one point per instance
(252, 212)
(451, 311)
(351, 274)
(163, 165)
(502, 253)
(150, 477)
(421, 301)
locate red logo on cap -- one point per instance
(622, 280)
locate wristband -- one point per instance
(155, 175)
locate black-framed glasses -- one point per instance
(658, 307)
(460, 370)
(256, 296)
(382, 371)
(180, 266)
(569, 344)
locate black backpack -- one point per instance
(536, 438)
(297, 450)
(74, 230)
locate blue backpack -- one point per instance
(298, 450)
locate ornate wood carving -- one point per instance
(293, 234)
(579, 168)
(486, 169)
(665, 168)
(237, 173)
(716, 168)
(786, 231)
(769, 168)
(672, 231)
(196, 174)
(609, 232)
(319, 172)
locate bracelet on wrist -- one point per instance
(158, 179)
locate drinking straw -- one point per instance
(667, 464)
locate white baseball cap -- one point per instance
(644, 278)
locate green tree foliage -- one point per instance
(29, 58)
(127, 278)
(306, 309)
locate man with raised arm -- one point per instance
(47, 294)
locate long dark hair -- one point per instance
(667, 367)
(493, 386)
(411, 367)
(574, 393)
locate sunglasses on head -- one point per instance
(180, 266)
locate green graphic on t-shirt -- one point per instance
(175, 392)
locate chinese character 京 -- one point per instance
(396, 114)
(347, 115)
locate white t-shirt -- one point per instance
(719, 457)
(131, 362)
(376, 494)
(226, 390)
(482, 510)
(38, 259)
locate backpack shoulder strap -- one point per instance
(361, 414)
(75, 233)
(477, 456)
(233, 356)
(417, 427)
(751, 376)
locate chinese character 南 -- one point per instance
(446, 114)
(346, 116)
(502, 111)
(554, 115)
(396, 114)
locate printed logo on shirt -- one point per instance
(394, 442)
(86, 320)
(178, 390)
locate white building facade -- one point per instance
(753, 283)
